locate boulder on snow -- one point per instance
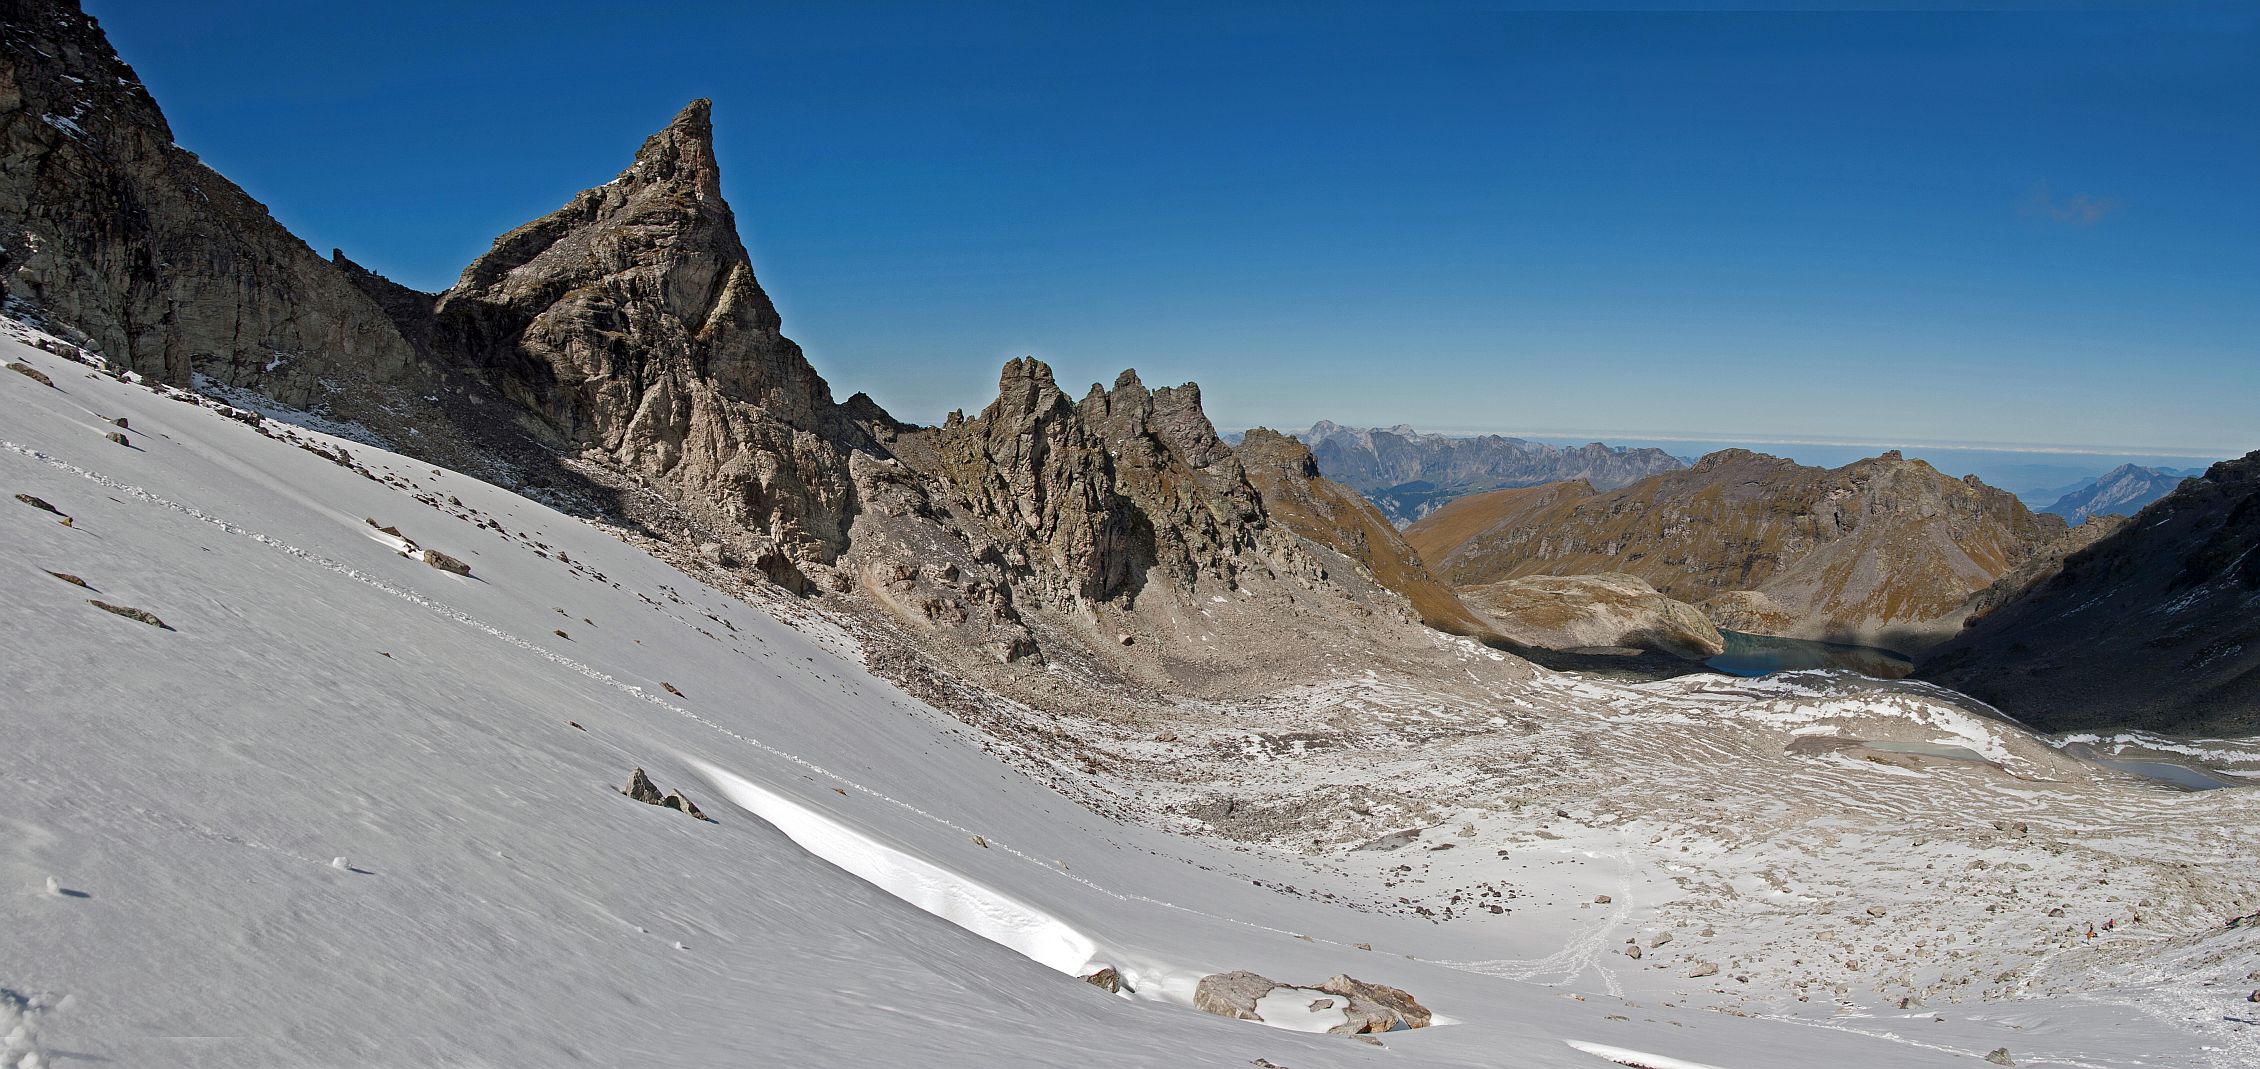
(131, 613)
(1375, 1007)
(1233, 994)
(30, 372)
(119, 438)
(1366, 1008)
(641, 789)
(685, 806)
(2000, 1056)
(1108, 980)
(445, 563)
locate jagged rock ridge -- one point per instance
(620, 350)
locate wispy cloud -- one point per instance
(2078, 209)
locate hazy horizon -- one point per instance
(2037, 473)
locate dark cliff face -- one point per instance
(1878, 546)
(2151, 627)
(166, 267)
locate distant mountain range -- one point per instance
(1884, 551)
(1408, 473)
(2122, 491)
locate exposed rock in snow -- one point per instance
(1375, 1007)
(1233, 994)
(445, 563)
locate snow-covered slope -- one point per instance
(346, 808)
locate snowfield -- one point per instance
(345, 808)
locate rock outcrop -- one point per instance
(2150, 627)
(1408, 474)
(1233, 994)
(1365, 1007)
(643, 790)
(1564, 612)
(1376, 1007)
(2041, 567)
(1883, 551)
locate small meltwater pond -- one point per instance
(1750, 656)
(2171, 773)
(1930, 749)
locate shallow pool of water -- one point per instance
(2178, 774)
(1750, 656)
(1929, 749)
(2186, 777)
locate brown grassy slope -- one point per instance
(1295, 495)
(1446, 536)
(1883, 547)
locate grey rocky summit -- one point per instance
(628, 323)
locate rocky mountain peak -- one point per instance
(681, 156)
(2241, 471)
(1025, 387)
(1283, 450)
(1173, 415)
(1127, 480)
(1709, 462)
(629, 322)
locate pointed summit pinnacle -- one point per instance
(683, 153)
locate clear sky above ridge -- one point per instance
(2038, 225)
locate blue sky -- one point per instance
(2024, 226)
